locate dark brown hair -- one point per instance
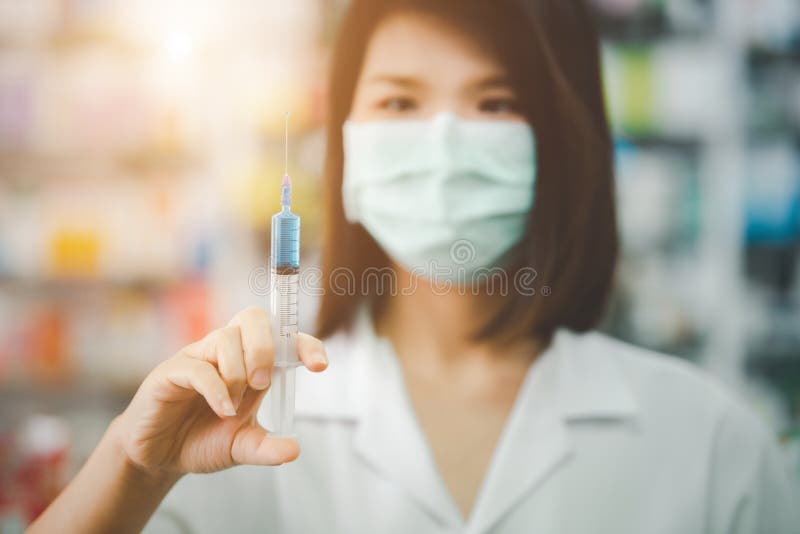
(550, 50)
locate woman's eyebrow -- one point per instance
(402, 81)
(491, 81)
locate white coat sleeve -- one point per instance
(240, 499)
(751, 488)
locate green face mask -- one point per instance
(443, 197)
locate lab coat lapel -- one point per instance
(390, 440)
(533, 444)
(575, 379)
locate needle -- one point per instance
(286, 144)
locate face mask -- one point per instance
(443, 197)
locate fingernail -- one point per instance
(320, 357)
(260, 379)
(227, 408)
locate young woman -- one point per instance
(469, 159)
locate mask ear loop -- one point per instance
(348, 189)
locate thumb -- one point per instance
(252, 445)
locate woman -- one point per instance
(469, 251)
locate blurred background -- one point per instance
(141, 148)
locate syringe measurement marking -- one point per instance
(287, 289)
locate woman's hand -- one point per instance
(196, 412)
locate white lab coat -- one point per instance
(603, 438)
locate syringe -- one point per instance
(284, 267)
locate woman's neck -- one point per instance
(438, 326)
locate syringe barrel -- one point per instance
(283, 305)
(285, 267)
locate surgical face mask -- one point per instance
(443, 197)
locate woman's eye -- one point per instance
(397, 104)
(498, 105)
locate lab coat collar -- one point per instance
(591, 383)
(575, 379)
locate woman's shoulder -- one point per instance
(687, 416)
(667, 386)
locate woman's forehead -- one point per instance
(412, 47)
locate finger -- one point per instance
(312, 352)
(230, 361)
(223, 348)
(202, 349)
(252, 445)
(250, 401)
(256, 334)
(202, 377)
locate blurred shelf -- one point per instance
(68, 39)
(72, 38)
(780, 369)
(767, 56)
(26, 166)
(659, 141)
(765, 134)
(35, 397)
(644, 26)
(47, 285)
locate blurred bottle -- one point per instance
(33, 469)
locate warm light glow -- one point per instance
(179, 46)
